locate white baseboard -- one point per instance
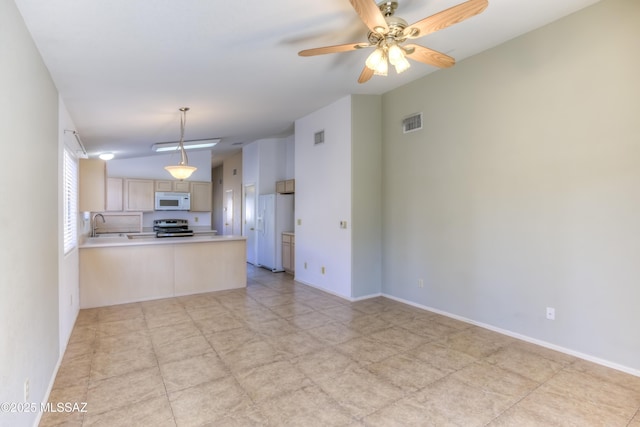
(531, 340)
(54, 375)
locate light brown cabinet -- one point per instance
(114, 195)
(200, 196)
(286, 187)
(92, 174)
(132, 194)
(166, 185)
(139, 195)
(288, 252)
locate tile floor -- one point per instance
(279, 353)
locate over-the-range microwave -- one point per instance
(172, 201)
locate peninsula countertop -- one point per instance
(149, 238)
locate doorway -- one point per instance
(228, 212)
(249, 230)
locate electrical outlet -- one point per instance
(420, 283)
(551, 313)
(299, 221)
(26, 390)
(322, 269)
(196, 219)
(305, 265)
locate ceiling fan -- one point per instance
(389, 33)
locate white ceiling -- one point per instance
(123, 67)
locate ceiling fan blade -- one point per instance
(370, 14)
(429, 56)
(333, 49)
(365, 75)
(446, 18)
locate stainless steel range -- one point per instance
(172, 228)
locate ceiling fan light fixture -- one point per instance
(397, 58)
(375, 58)
(382, 69)
(182, 170)
(387, 33)
(395, 54)
(402, 65)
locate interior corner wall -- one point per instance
(232, 181)
(366, 202)
(323, 198)
(521, 192)
(290, 152)
(29, 336)
(217, 215)
(69, 265)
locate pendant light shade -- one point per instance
(182, 170)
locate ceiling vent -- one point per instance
(318, 137)
(412, 123)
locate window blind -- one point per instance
(70, 196)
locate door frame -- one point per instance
(248, 229)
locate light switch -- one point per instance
(299, 221)
(343, 224)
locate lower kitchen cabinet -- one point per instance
(118, 275)
(138, 272)
(288, 252)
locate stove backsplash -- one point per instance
(195, 219)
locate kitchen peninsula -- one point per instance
(123, 269)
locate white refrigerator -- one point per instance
(274, 216)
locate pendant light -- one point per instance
(182, 170)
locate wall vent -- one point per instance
(318, 137)
(412, 123)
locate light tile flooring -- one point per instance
(280, 353)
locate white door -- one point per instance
(265, 231)
(249, 230)
(228, 212)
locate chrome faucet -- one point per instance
(93, 223)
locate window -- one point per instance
(70, 200)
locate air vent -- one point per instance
(412, 123)
(318, 137)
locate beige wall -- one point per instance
(232, 180)
(29, 247)
(217, 219)
(522, 191)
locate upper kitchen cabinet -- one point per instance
(114, 194)
(286, 187)
(139, 195)
(200, 196)
(92, 175)
(166, 185)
